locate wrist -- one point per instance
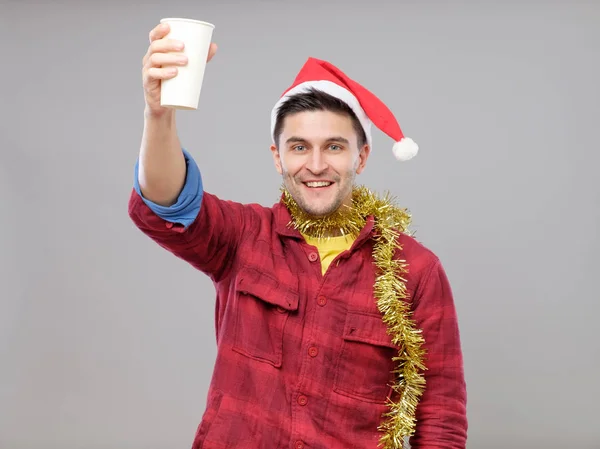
(165, 115)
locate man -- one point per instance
(335, 328)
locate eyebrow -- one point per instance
(295, 139)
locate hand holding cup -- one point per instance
(174, 65)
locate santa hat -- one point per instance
(369, 109)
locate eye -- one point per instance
(298, 147)
(335, 147)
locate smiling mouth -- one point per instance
(318, 184)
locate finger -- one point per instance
(158, 73)
(165, 45)
(162, 45)
(162, 59)
(159, 31)
(212, 51)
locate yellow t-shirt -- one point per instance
(330, 247)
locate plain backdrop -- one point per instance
(107, 340)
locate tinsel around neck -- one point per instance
(349, 220)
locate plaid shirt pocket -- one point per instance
(262, 307)
(364, 367)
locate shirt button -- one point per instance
(313, 257)
(169, 225)
(321, 300)
(280, 309)
(313, 351)
(302, 400)
(299, 445)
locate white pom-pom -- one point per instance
(405, 149)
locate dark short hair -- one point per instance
(316, 100)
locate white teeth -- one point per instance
(318, 184)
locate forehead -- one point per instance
(317, 125)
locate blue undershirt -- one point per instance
(186, 209)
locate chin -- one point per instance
(318, 208)
(317, 213)
(316, 203)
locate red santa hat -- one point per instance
(369, 109)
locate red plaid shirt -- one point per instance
(304, 359)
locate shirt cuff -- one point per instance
(187, 207)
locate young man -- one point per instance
(335, 328)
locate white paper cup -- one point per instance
(183, 91)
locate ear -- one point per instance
(276, 158)
(363, 155)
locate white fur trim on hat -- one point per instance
(330, 88)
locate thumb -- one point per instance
(211, 51)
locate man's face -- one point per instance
(318, 158)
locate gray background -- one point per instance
(106, 340)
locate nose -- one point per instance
(316, 162)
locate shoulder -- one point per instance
(421, 262)
(255, 219)
(416, 252)
(214, 201)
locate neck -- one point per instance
(328, 233)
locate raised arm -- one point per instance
(162, 167)
(168, 202)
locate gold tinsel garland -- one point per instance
(389, 291)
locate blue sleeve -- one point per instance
(186, 209)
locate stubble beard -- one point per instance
(344, 188)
